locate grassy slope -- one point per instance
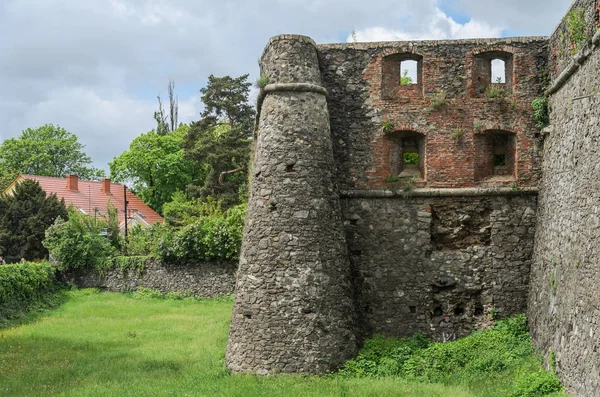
(103, 344)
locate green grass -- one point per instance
(108, 344)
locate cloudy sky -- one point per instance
(95, 67)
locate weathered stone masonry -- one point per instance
(564, 298)
(293, 309)
(202, 280)
(439, 265)
(334, 247)
(345, 238)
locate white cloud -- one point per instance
(95, 67)
(438, 26)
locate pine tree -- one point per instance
(24, 218)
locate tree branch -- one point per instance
(222, 174)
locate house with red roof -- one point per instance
(93, 198)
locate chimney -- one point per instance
(73, 183)
(105, 186)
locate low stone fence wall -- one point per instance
(203, 280)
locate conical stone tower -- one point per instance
(293, 309)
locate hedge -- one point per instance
(25, 286)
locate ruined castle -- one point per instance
(381, 205)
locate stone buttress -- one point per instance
(293, 309)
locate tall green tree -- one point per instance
(24, 218)
(155, 166)
(219, 143)
(47, 151)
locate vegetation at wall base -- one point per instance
(504, 349)
(82, 240)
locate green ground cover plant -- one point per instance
(151, 344)
(502, 356)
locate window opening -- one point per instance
(499, 144)
(408, 72)
(498, 71)
(495, 154)
(410, 158)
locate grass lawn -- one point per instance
(109, 344)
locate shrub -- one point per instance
(23, 286)
(145, 242)
(541, 112)
(262, 81)
(79, 241)
(537, 384)
(576, 26)
(209, 238)
(387, 126)
(182, 211)
(438, 100)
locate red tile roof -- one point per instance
(90, 196)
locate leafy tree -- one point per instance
(155, 165)
(182, 211)
(24, 218)
(7, 176)
(219, 144)
(47, 151)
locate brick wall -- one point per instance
(449, 107)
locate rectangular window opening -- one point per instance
(498, 71)
(408, 72)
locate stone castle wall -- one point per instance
(564, 300)
(329, 257)
(439, 265)
(202, 280)
(293, 309)
(344, 239)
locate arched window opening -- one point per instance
(498, 71)
(409, 72)
(406, 155)
(492, 70)
(410, 157)
(402, 75)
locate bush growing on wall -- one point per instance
(206, 239)
(81, 240)
(24, 285)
